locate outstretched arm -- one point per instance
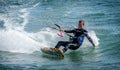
(67, 31)
(89, 38)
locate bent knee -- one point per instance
(73, 47)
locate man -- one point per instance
(77, 39)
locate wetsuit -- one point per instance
(77, 40)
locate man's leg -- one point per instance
(64, 44)
(75, 46)
(60, 43)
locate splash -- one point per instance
(24, 16)
(14, 39)
(94, 37)
(23, 42)
(17, 22)
(36, 5)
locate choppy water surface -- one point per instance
(24, 29)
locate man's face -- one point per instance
(81, 25)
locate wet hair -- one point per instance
(81, 21)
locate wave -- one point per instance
(14, 38)
(15, 41)
(23, 42)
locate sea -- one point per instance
(26, 26)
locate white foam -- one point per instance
(24, 15)
(36, 5)
(7, 22)
(14, 41)
(23, 42)
(11, 23)
(94, 37)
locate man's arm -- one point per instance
(89, 38)
(67, 31)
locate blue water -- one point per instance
(24, 29)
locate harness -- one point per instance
(76, 41)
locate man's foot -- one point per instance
(62, 51)
(45, 48)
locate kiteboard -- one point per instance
(52, 51)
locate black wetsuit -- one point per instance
(78, 38)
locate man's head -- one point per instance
(81, 24)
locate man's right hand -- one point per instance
(94, 45)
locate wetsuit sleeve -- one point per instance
(85, 33)
(89, 38)
(69, 31)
